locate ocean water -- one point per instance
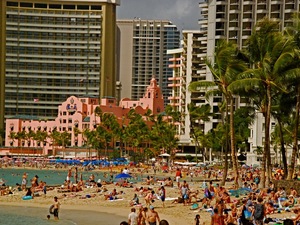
(52, 177)
(11, 215)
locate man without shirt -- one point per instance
(152, 216)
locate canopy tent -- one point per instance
(164, 155)
(186, 163)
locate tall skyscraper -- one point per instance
(51, 50)
(142, 46)
(234, 20)
(231, 20)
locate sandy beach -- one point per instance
(76, 207)
(84, 211)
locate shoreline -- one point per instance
(175, 214)
(85, 214)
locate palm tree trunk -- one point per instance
(225, 172)
(232, 143)
(267, 138)
(282, 149)
(295, 137)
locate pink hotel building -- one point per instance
(76, 112)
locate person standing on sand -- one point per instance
(24, 181)
(56, 207)
(152, 216)
(163, 195)
(69, 175)
(133, 217)
(178, 176)
(142, 217)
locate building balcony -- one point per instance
(174, 98)
(174, 65)
(175, 104)
(247, 2)
(174, 78)
(174, 85)
(247, 20)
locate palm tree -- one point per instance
(225, 69)
(2, 136)
(269, 54)
(164, 136)
(198, 115)
(40, 136)
(21, 136)
(294, 74)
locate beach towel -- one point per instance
(194, 206)
(118, 199)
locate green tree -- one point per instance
(225, 68)
(293, 74)
(199, 115)
(41, 136)
(269, 54)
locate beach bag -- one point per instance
(258, 212)
(288, 222)
(247, 214)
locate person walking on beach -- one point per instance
(152, 216)
(56, 207)
(133, 217)
(163, 195)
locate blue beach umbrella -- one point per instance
(123, 175)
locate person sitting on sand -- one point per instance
(194, 194)
(269, 208)
(290, 202)
(112, 195)
(169, 182)
(6, 191)
(293, 192)
(297, 218)
(135, 200)
(40, 187)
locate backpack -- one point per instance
(258, 212)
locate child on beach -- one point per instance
(56, 207)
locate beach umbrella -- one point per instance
(123, 176)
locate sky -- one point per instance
(183, 13)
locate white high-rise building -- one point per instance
(142, 55)
(232, 20)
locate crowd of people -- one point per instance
(226, 205)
